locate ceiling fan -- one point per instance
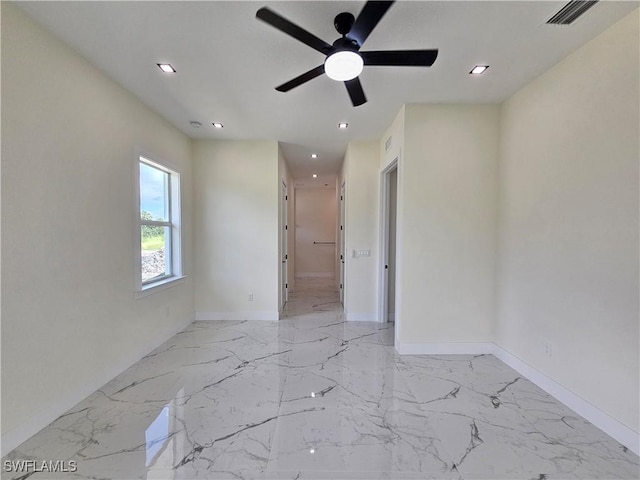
(344, 61)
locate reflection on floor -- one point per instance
(314, 397)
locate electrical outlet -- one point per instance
(547, 349)
(251, 297)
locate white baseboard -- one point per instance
(315, 275)
(248, 315)
(609, 425)
(442, 348)
(360, 317)
(39, 420)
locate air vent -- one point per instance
(387, 144)
(571, 11)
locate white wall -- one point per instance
(568, 271)
(447, 221)
(395, 135)
(70, 321)
(361, 173)
(237, 193)
(315, 221)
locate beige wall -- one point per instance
(237, 193)
(447, 214)
(70, 321)
(315, 221)
(569, 223)
(361, 174)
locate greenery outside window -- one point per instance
(159, 224)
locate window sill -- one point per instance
(156, 287)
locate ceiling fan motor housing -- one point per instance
(343, 22)
(345, 43)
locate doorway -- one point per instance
(388, 242)
(315, 233)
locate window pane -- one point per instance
(154, 193)
(156, 256)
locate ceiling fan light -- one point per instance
(343, 65)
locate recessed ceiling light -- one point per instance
(343, 125)
(195, 124)
(478, 69)
(166, 67)
(315, 175)
(217, 125)
(314, 155)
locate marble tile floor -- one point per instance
(313, 397)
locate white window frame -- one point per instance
(174, 245)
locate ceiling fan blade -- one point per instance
(277, 21)
(354, 87)
(400, 58)
(299, 80)
(371, 14)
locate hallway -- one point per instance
(314, 397)
(313, 298)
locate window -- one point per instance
(158, 221)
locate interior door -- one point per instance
(391, 245)
(388, 243)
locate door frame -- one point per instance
(383, 281)
(284, 244)
(341, 244)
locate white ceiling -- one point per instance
(228, 62)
